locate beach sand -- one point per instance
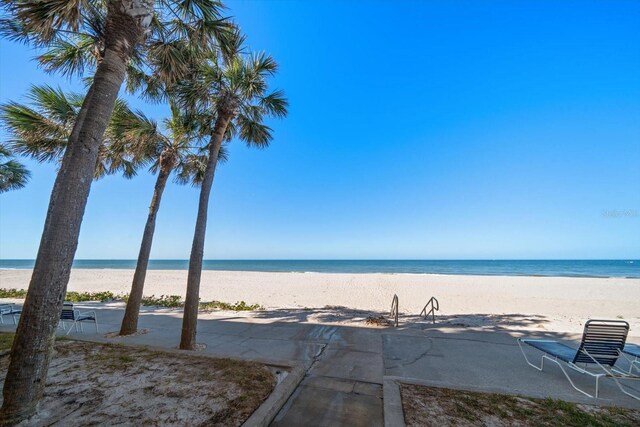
(559, 304)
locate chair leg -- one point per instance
(622, 389)
(527, 359)
(569, 378)
(74, 324)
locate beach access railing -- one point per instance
(433, 306)
(394, 310)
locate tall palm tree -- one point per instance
(175, 150)
(44, 23)
(231, 95)
(13, 174)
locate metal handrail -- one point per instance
(435, 306)
(394, 310)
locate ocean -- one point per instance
(568, 268)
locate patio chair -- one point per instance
(601, 347)
(69, 314)
(8, 309)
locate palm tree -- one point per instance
(44, 23)
(173, 150)
(230, 93)
(13, 174)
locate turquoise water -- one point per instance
(570, 268)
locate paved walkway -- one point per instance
(346, 366)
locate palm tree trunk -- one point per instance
(33, 342)
(130, 320)
(192, 301)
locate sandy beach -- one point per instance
(547, 303)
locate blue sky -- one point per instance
(428, 130)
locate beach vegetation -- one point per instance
(105, 296)
(70, 296)
(104, 42)
(167, 301)
(238, 306)
(13, 293)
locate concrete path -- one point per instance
(343, 385)
(346, 366)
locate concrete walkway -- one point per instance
(346, 366)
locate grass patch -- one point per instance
(430, 406)
(6, 340)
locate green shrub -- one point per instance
(71, 296)
(238, 306)
(12, 293)
(91, 296)
(170, 301)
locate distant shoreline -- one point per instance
(624, 269)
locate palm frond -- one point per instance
(32, 133)
(40, 21)
(13, 174)
(275, 104)
(54, 103)
(191, 170)
(69, 58)
(253, 132)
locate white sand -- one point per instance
(562, 302)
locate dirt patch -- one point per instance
(441, 407)
(105, 384)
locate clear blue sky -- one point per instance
(417, 129)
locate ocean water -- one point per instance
(570, 268)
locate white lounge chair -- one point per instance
(631, 352)
(602, 344)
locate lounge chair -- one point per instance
(602, 344)
(8, 309)
(631, 352)
(76, 318)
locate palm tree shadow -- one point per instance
(377, 318)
